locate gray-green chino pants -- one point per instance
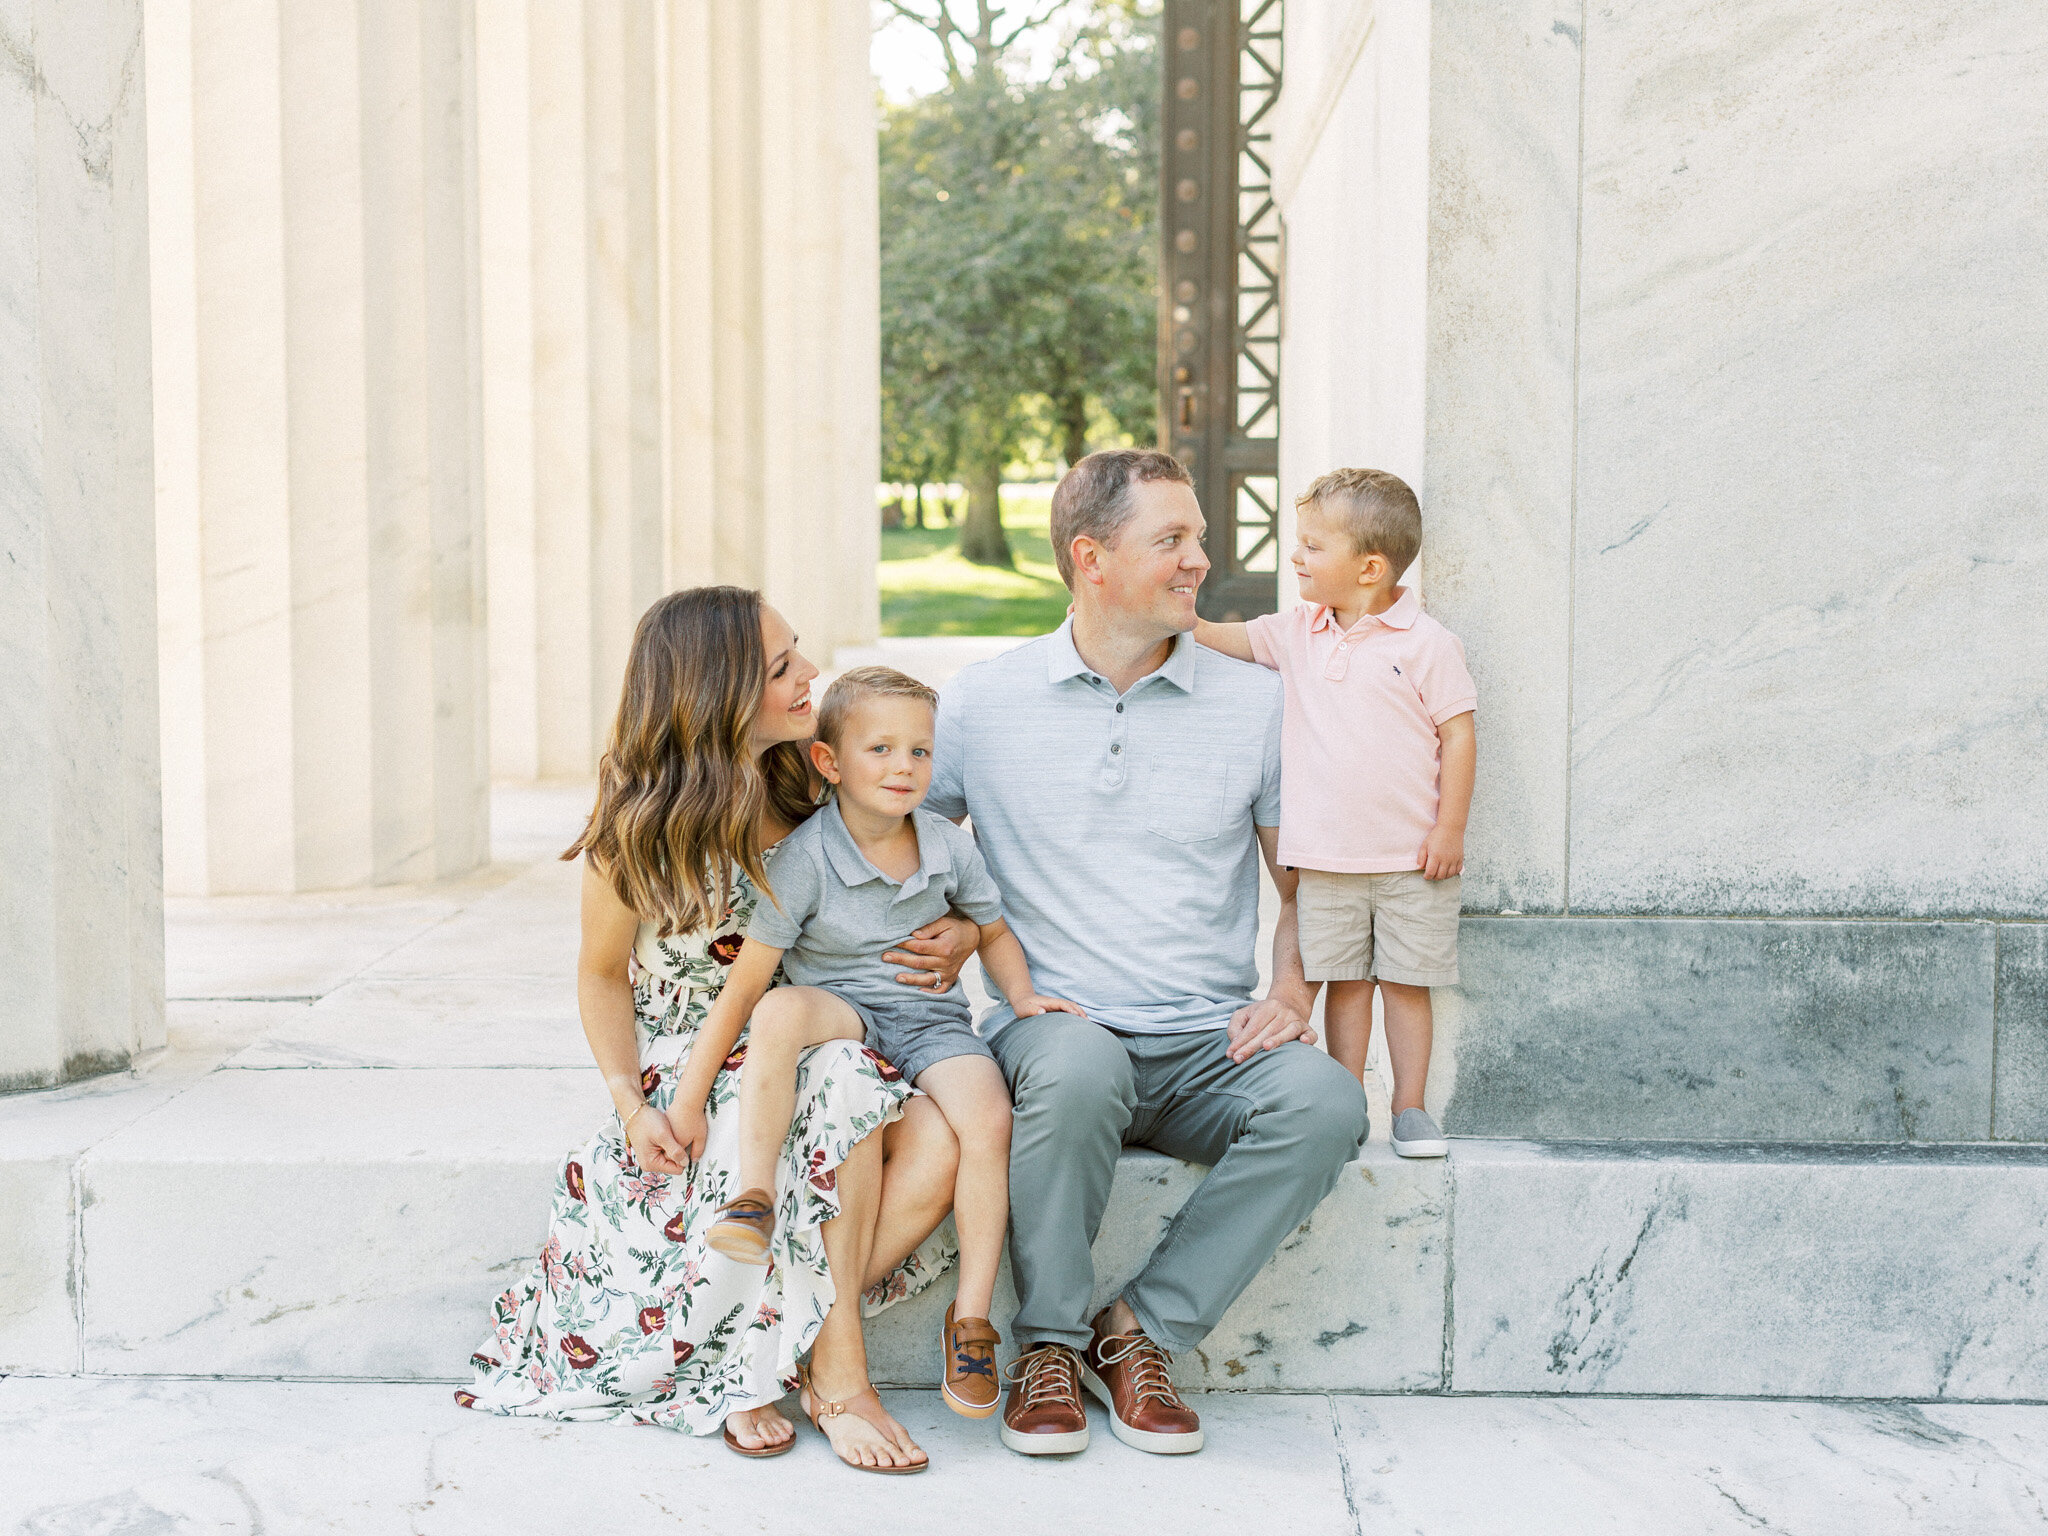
(1275, 1131)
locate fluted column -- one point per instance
(776, 316)
(680, 323)
(81, 913)
(320, 500)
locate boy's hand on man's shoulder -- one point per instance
(1443, 853)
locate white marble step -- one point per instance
(354, 1223)
(232, 1458)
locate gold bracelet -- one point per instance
(626, 1122)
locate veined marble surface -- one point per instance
(89, 1456)
(1811, 538)
(1689, 1029)
(1841, 1271)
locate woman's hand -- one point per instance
(657, 1145)
(935, 953)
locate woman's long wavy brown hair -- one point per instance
(679, 788)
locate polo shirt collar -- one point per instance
(853, 868)
(1402, 614)
(1063, 661)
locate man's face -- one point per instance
(1151, 573)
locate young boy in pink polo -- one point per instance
(1376, 759)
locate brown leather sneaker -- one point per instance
(1129, 1373)
(1045, 1415)
(970, 1387)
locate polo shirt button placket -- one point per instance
(1113, 771)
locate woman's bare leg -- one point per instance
(865, 1434)
(920, 1160)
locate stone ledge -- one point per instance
(1352, 1302)
(352, 1223)
(1767, 1030)
(1769, 1272)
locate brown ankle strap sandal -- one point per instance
(819, 1410)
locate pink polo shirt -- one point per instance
(1359, 758)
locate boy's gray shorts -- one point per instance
(912, 1042)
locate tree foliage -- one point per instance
(1018, 256)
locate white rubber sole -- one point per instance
(965, 1409)
(1045, 1445)
(1421, 1148)
(1140, 1439)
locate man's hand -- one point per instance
(1263, 1025)
(1443, 852)
(935, 953)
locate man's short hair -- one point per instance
(1376, 510)
(852, 689)
(1094, 497)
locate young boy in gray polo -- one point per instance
(867, 868)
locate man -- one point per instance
(1123, 783)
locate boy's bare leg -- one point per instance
(976, 1102)
(786, 1023)
(1347, 1023)
(920, 1156)
(1408, 1040)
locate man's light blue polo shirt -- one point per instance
(1119, 828)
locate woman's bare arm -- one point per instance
(604, 998)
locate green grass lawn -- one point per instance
(927, 589)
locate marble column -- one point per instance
(319, 469)
(680, 333)
(1729, 431)
(81, 912)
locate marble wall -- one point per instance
(313, 218)
(1733, 323)
(81, 921)
(680, 333)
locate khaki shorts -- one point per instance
(1394, 927)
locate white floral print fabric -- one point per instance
(627, 1313)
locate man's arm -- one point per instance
(1282, 1015)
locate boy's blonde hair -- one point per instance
(1375, 509)
(852, 689)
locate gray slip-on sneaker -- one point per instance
(1416, 1135)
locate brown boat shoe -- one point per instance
(1129, 1373)
(970, 1387)
(1045, 1415)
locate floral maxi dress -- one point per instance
(627, 1313)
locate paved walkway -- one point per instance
(112, 1455)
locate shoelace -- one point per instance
(980, 1363)
(1046, 1375)
(1147, 1367)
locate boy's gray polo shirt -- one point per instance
(838, 913)
(1119, 828)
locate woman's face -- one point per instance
(786, 713)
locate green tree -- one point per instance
(1017, 266)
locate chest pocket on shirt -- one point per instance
(1189, 805)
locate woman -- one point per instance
(627, 1314)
